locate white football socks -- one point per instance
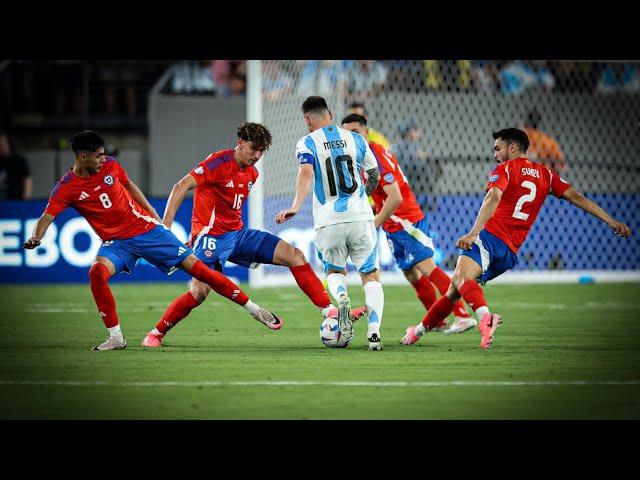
(337, 283)
(374, 299)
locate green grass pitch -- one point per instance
(563, 352)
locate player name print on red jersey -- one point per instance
(525, 185)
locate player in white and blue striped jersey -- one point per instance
(333, 160)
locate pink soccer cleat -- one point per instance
(487, 326)
(153, 341)
(441, 327)
(410, 336)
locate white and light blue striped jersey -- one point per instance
(339, 158)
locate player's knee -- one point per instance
(199, 293)
(457, 279)
(296, 257)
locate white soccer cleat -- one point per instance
(375, 343)
(462, 324)
(344, 316)
(112, 343)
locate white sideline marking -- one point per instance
(293, 383)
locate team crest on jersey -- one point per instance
(493, 178)
(388, 177)
(208, 253)
(198, 170)
(249, 185)
(108, 179)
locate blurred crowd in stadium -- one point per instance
(59, 86)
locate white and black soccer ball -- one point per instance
(331, 335)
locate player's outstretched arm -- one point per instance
(303, 186)
(178, 192)
(139, 197)
(488, 208)
(391, 204)
(38, 231)
(589, 206)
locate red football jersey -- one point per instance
(222, 189)
(103, 201)
(390, 172)
(525, 185)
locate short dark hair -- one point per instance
(358, 105)
(513, 135)
(256, 133)
(86, 141)
(354, 117)
(314, 104)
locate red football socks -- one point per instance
(99, 280)
(219, 283)
(438, 312)
(179, 308)
(425, 291)
(442, 281)
(472, 294)
(311, 285)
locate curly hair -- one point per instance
(256, 133)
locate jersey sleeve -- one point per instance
(387, 172)
(58, 201)
(304, 153)
(558, 184)
(499, 177)
(202, 174)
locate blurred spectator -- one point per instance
(405, 75)
(15, 177)
(619, 77)
(447, 75)
(115, 74)
(485, 76)
(374, 135)
(323, 77)
(111, 150)
(192, 77)
(366, 79)
(520, 75)
(422, 173)
(275, 81)
(542, 147)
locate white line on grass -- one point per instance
(293, 383)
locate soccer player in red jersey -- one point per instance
(516, 191)
(406, 227)
(130, 228)
(222, 183)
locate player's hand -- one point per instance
(466, 241)
(285, 215)
(620, 229)
(31, 243)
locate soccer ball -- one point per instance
(331, 335)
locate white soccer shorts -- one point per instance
(357, 240)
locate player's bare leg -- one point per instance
(100, 272)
